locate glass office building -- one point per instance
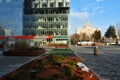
(47, 18)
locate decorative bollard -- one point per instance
(95, 50)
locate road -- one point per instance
(106, 65)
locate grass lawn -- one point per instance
(64, 52)
(61, 51)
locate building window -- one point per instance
(60, 4)
(51, 5)
(44, 5)
(36, 5)
(67, 4)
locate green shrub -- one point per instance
(39, 67)
(72, 62)
(75, 78)
(8, 77)
(56, 76)
(67, 71)
(22, 76)
(40, 78)
(34, 48)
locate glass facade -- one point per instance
(11, 15)
(47, 17)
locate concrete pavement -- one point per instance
(8, 63)
(106, 65)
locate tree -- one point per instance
(84, 37)
(97, 35)
(111, 32)
(75, 38)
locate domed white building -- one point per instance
(87, 30)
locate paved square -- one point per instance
(8, 64)
(106, 65)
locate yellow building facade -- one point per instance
(87, 31)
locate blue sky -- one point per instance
(101, 13)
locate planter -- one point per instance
(1, 78)
(58, 46)
(59, 68)
(62, 47)
(23, 53)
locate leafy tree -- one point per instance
(97, 35)
(75, 38)
(111, 32)
(84, 37)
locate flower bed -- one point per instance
(52, 68)
(62, 47)
(1, 78)
(58, 45)
(24, 52)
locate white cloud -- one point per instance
(99, 0)
(97, 12)
(80, 15)
(85, 9)
(101, 11)
(96, 8)
(93, 13)
(93, 9)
